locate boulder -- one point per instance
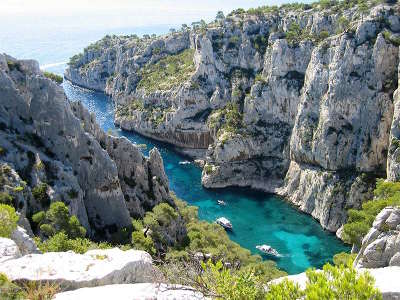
(148, 291)
(25, 243)
(381, 245)
(73, 271)
(8, 250)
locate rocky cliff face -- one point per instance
(381, 246)
(53, 150)
(295, 101)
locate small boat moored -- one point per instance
(185, 162)
(221, 202)
(224, 222)
(268, 250)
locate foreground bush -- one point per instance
(330, 283)
(8, 220)
(217, 281)
(28, 290)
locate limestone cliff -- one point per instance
(297, 101)
(53, 150)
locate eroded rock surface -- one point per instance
(47, 141)
(72, 271)
(381, 245)
(148, 291)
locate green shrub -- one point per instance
(74, 60)
(60, 242)
(9, 290)
(344, 258)
(56, 78)
(57, 219)
(208, 169)
(140, 242)
(360, 221)
(284, 291)
(293, 35)
(5, 198)
(168, 72)
(332, 282)
(72, 193)
(18, 189)
(39, 192)
(8, 220)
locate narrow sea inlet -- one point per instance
(257, 218)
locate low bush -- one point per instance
(56, 78)
(39, 192)
(168, 72)
(360, 221)
(57, 219)
(6, 198)
(8, 220)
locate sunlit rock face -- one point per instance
(47, 140)
(298, 102)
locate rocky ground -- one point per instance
(299, 101)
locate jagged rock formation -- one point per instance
(149, 291)
(295, 101)
(53, 150)
(381, 246)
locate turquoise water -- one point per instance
(257, 218)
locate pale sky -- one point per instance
(118, 12)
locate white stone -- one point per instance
(8, 250)
(139, 291)
(25, 243)
(72, 271)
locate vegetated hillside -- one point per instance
(296, 100)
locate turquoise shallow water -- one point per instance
(257, 218)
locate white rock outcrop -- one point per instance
(381, 245)
(139, 291)
(73, 271)
(8, 250)
(24, 242)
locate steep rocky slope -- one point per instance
(53, 150)
(297, 101)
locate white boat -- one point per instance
(268, 250)
(185, 162)
(221, 202)
(224, 222)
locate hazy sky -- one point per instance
(123, 12)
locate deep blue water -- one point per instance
(257, 218)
